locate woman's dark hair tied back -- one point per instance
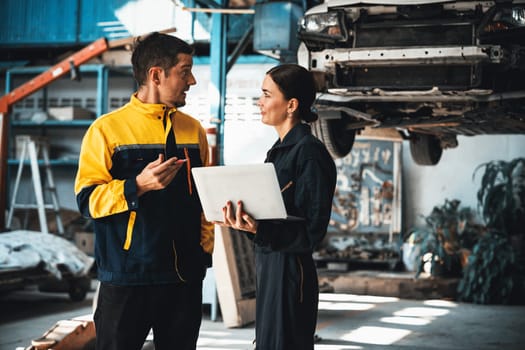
(295, 81)
(310, 115)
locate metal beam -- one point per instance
(218, 55)
(241, 46)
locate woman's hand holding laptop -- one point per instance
(237, 218)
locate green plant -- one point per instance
(501, 196)
(491, 274)
(494, 272)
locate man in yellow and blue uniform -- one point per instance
(152, 243)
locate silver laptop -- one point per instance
(256, 185)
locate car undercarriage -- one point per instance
(431, 70)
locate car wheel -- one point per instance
(425, 149)
(337, 138)
(78, 290)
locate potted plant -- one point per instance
(494, 272)
(445, 242)
(501, 197)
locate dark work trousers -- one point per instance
(286, 302)
(125, 315)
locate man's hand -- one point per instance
(157, 174)
(239, 219)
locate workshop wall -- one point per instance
(427, 186)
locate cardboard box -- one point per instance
(85, 241)
(70, 113)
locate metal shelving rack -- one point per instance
(102, 73)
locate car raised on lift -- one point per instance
(430, 69)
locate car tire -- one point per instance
(78, 289)
(335, 135)
(425, 149)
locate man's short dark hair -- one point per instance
(156, 50)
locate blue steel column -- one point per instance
(218, 62)
(191, 4)
(102, 89)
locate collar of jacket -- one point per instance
(150, 110)
(293, 136)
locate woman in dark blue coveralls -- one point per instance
(287, 291)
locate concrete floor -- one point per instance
(346, 321)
